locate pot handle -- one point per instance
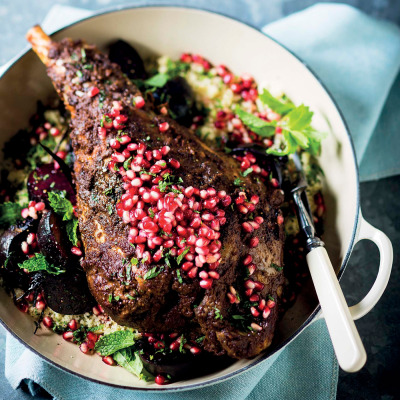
(367, 231)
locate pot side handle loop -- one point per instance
(367, 231)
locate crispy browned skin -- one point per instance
(162, 303)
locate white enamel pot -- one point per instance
(171, 31)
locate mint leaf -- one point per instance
(132, 362)
(299, 118)
(257, 125)
(61, 205)
(72, 230)
(109, 344)
(290, 148)
(39, 263)
(180, 257)
(152, 273)
(158, 80)
(274, 104)
(10, 213)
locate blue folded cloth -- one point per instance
(358, 59)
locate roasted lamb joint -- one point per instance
(175, 237)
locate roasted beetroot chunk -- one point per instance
(11, 243)
(128, 59)
(45, 179)
(68, 293)
(53, 240)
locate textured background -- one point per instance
(380, 329)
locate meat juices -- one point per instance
(165, 303)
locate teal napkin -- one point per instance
(358, 59)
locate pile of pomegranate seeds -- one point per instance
(166, 218)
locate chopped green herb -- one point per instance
(277, 267)
(158, 80)
(134, 261)
(79, 74)
(180, 257)
(72, 230)
(218, 314)
(238, 317)
(110, 209)
(10, 214)
(131, 361)
(127, 163)
(128, 296)
(61, 205)
(83, 54)
(152, 273)
(256, 124)
(275, 104)
(247, 172)
(109, 344)
(200, 339)
(237, 182)
(178, 274)
(39, 263)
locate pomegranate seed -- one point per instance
(249, 284)
(254, 312)
(159, 380)
(47, 322)
(23, 306)
(25, 213)
(54, 131)
(254, 297)
(261, 304)
(195, 350)
(258, 286)
(254, 242)
(40, 206)
(251, 268)
(163, 127)
(93, 91)
(266, 313)
(271, 304)
(84, 348)
(248, 292)
(254, 199)
(68, 336)
(40, 305)
(256, 327)
(97, 310)
(232, 298)
(247, 227)
(174, 163)
(248, 259)
(259, 220)
(254, 225)
(206, 283)
(192, 273)
(92, 337)
(174, 346)
(203, 275)
(280, 220)
(76, 251)
(213, 274)
(25, 247)
(138, 102)
(159, 345)
(108, 360)
(73, 325)
(278, 130)
(102, 132)
(30, 238)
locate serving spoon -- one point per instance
(349, 349)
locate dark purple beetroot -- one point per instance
(68, 293)
(44, 179)
(179, 96)
(53, 240)
(181, 365)
(128, 59)
(11, 254)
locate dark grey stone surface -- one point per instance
(380, 329)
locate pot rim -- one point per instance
(310, 319)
